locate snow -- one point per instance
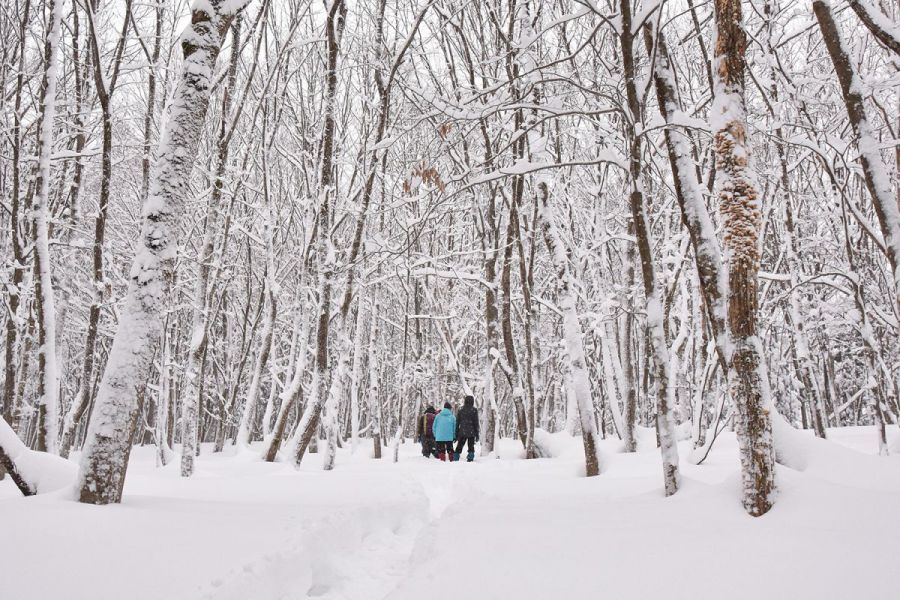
(41, 472)
(512, 528)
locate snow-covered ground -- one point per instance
(497, 528)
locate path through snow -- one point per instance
(493, 529)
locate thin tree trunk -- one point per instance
(653, 295)
(290, 396)
(324, 250)
(572, 333)
(355, 375)
(690, 198)
(491, 322)
(626, 343)
(44, 301)
(164, 402)
(249, 412)
(372, 395)
(10, 389)
(200, 318)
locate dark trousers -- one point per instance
(471, 443)
(427, 446)
(446, 448)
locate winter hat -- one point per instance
(448, 405)
(470, 400)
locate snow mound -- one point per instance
(46, 472)
(43, 472)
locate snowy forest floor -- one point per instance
(241, 529)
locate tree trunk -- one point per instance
(694, 214)
(10, 448)
(658, 344)
(290, 396)
(372, 395)
(740, 206)
(10, 389)
(44, 301)
(572, 333)
(334, 25)
(105, 458)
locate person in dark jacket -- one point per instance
(444, 428)
(424, 433)
(467, 430)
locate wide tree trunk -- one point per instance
(105, 458)
(200, 317)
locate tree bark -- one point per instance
(200, 313)
(10, 448)
(10, 389)
(872, 18)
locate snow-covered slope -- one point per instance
(497, 528)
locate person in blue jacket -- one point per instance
(444, 429)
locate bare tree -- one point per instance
(45, 303)
(105, 457)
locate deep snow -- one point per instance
(497, 528)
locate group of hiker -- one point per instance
(437, 431)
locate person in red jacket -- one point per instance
(424, 433)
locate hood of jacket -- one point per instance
(444, 426)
